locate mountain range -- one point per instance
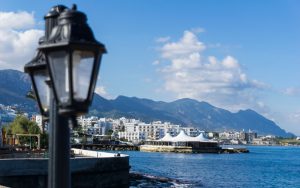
(14, 85)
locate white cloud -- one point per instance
(100, 90)
(16, 20)
(222, 82)
(163, 39)
(230, 63)
(187, 45)
(292, 91)
(18, 39)
(198, 30)
(156, 62)
(295, 116)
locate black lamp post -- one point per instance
(64, 75)
(38, 73)
(73, 57)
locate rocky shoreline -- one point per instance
(138, 180)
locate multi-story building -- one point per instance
(135, 137)
(166, 127)
(94, 125)
(229, 135)
(119, 124)
(103, 126)
(140, 131)
(248, 136)
(191, 131)
(87, 122)
(132, 129)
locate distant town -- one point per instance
(133, 131)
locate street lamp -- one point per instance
(73, 58)
(39, 76)
(64, 75)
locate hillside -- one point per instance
(14, 86)
(187, 112)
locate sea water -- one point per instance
(264, 166)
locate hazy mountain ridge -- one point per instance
(14, 85)
(189, 112)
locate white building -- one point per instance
(133, 136)
(39, 121)
(229, 135)
(87, 122)
(136, 130)
(94, 125)
(131, 129)
(102, 126)
(191, 131)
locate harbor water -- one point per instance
(264, 166)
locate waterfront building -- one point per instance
(235, 137)
(229, 135)
(94, 125)
(263, 141)
(119, 124)
(103, 126)
(135, 137)
(182, 143)
(248, 136)
(85, 123)
(137, 131)
(191, 131)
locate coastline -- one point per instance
(146, 180)
(210, 170)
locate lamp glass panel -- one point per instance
(59, 65)
(43, 92)
(83, 62)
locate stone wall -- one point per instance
(179, 149)
(106, 170)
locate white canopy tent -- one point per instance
(167, 138)
(182, 137)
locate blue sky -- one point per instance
(233, 54)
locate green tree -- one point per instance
(109, 132)
(22, 125)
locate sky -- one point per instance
(234, 54)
